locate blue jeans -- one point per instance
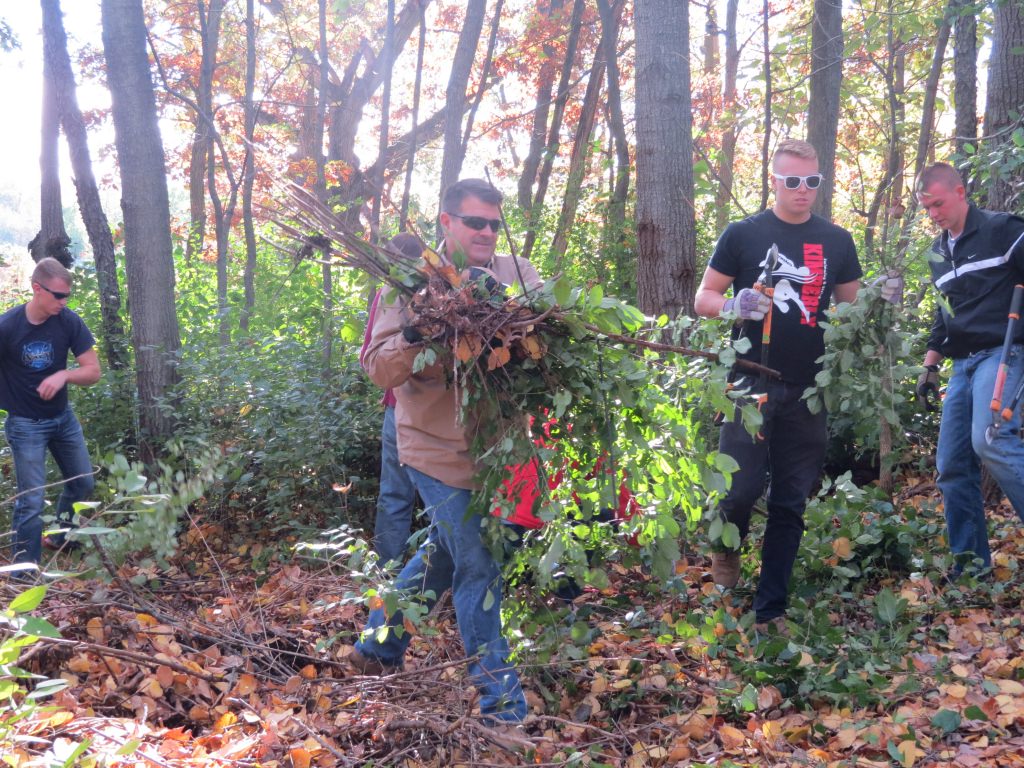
(791, 454)
(454, 556)
(966, 416)
(397, 499)
(29, 440)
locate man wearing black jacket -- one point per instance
(976, 261)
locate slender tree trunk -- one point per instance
(578, 160)
(823, 107)
(385, 126)
(766, 140)
(1004, 103)
(485, 75)
(455, 96)
(147, 226)
(615, 237)
(52, 239)
(321, 190)
(249, 167)
(542, 105)
(554, 131)
(965, 77)
(666, 234)
(723, 197)
(417, 88)
(96, 225)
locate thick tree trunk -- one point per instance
(723, 197)
(52, 239)
(542, 105)
(965, 77)
(1004, 103)
(55, 44)
(455, 95)
(666, 235)
(823, 107)
(147, 226)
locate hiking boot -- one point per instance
(370, 666)
(725, 568)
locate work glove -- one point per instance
(928, 387)
(486, 284)
(892, 286)
(748, 305)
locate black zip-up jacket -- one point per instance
(977, 281)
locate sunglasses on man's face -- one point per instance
(59, 295)
(793, 182)
(478, 222)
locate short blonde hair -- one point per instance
(939, 173)
(796, 148)
(49, 268)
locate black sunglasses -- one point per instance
(478, 222)
(59, 295)
(793, 182)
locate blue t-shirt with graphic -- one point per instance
(29, 353)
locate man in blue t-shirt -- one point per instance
(816, 262)
(35, 339)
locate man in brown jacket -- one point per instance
(434, 448)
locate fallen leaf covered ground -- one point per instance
(214, 663)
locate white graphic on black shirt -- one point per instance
(37, 355)
(784, 275)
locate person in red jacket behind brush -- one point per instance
(523, 490)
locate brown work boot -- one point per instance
(725, 568)
(371, 666)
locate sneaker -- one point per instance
(725, 568)
(371, 666)
(57, 542)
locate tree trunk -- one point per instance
(580, 156)
(52, 239)
(485, 76)
(823, 107)
(965, 76)
(96, 225)
(377, 182)
(147, 225)
(455, 95)
(551, 152)
(723, 197)
(202, 137)
(1004, 103)
(615, 237)
(542, 105)
(417, 89)
(249, 167)
(769, 93)
(321, 190)
(666, 235)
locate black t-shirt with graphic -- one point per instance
(29, 353)
(813, 258)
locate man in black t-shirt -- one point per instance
(35, 339)
(816, 262)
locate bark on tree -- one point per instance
(965, 75)
(55, 48)
(202, 136)
(723, 196)
(823, 107)
(249, 167)
(554, 131)
(321, 189)
(615, 236)
(666, 236)
(1004, 103)
(417, 89)
(485, 76)
(147, 226)
(769, 94)
(377, 181)
(52, 239)
(455, 96)
(542, 105)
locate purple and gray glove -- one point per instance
(891, 284)
(748, 305)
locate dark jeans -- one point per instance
(30, 440)
(790, 455)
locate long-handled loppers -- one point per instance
(997, 392)
(767, 287)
